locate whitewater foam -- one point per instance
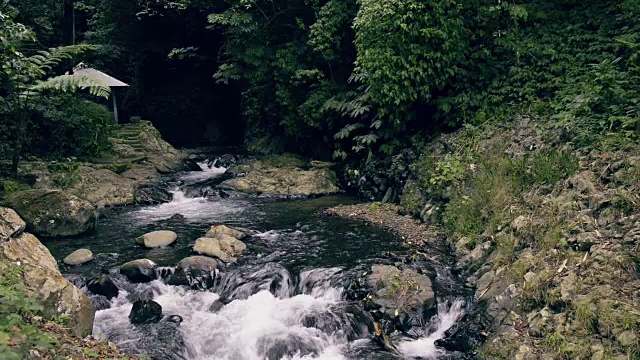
(425, 347)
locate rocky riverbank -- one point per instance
(545, 232)
(34, 292)
(64, 197)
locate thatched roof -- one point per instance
(82, 69)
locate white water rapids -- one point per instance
(260, 326)
(271, 316)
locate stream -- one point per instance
(285, 298)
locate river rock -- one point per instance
(139, 271)
(150, 194)
(10, 224)
(53, 212)
(145, 312)
(405, 290)
(216, 230)
(281, 175)
(198, 272)
(43, 282)
(224, 247)
(156, 239)
(103, 286)
(78, 257)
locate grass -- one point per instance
(586, 318)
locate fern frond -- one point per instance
(71, 83)
(46, 60)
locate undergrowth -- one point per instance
(18, 334)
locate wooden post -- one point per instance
(115, 106)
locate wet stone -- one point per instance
(145, 312)
(78, 257)
(139, 271)
(103, 286)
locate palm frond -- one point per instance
(71, 83)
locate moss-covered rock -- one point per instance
(53, 213)
(43, 281)
(282, 175)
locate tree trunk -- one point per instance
(68, 23)
(17, 151)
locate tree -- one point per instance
(25, 80)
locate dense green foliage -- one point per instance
(342, 77)
(70, 126)
(27, 80)
(373, 72)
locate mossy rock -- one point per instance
(53, 213)
(412, 201)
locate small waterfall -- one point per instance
(209, 170)
(178, 196)
(448, 314)
(191, 208)
(262, 322)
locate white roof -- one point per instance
(82, 69)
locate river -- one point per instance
(286, 298)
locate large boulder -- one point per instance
(282, 175)
(10, 224)
(97, 183)
(145, 312)
(44, 282)
(103, 187)
(156, 239)
(223, 247)
(53, 212)
(198, 272)
(139, 271)
(216, 230)
(78, 257)
(404, 291)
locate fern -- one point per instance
(70, 83)
(45, 60)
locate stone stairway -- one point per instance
(129, 134)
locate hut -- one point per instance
(99, 76)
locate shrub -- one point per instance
(71, 126)
(65, 173)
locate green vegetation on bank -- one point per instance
(18, 332)
(527, 209)
(353, 78)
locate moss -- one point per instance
(412, 200)
(498, 350)
(555, 342)
(505, 250)
(12, 186)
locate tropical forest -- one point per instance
(320, 179)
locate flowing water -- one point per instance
(284, 299)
